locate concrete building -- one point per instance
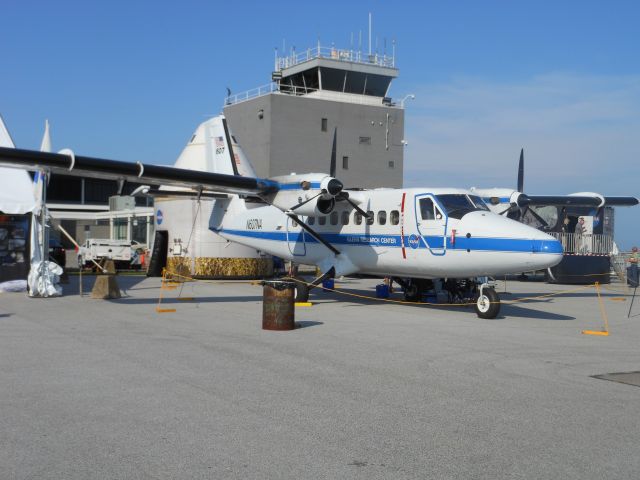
(288, 125)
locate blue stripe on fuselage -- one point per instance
(481, 244)
(296, 186)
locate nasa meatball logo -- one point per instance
(159, 217)
(414, 241)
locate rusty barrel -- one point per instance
(278, 305)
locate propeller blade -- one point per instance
(313, 233)
(520, 187)
(332, 169)
(345, 196)
(307, 201)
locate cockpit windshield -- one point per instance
(458, 204)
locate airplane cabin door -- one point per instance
(431, 224)
(296, 238)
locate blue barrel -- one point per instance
(328, 284)
(382, 291)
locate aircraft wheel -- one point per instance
(413, 292)
(488, 304)
(301, 293)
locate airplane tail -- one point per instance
(214, 149)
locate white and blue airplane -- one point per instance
(414, 235)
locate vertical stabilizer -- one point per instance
(213, 149)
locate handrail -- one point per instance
(346, 55)
(285, 89)
(585, 244)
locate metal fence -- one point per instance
(585, 244)
(347, 55)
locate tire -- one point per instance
(301, 294)
(488, 305)
(413, 293)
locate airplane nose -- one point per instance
(548, 244)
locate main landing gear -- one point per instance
(478, 292)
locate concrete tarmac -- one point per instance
(363, 389)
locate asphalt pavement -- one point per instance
(362, 389)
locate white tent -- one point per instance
(16, 187)
(18, 196)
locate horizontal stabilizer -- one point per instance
(134, 172)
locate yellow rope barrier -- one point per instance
(159, 309)
(605, 332)
(517, 300)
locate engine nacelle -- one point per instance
(310, 194)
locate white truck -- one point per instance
(100, 248)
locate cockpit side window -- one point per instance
(426, 209)
(458, 205)
(479, 204)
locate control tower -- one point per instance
(287, 125)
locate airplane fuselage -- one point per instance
(412, 233)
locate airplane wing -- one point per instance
(581, 200)
(69, 164)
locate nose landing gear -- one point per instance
(487, 302)
(478, 292)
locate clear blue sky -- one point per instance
(131, 80)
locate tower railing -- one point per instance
(275, 87)
(345, 55)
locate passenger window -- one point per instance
(426, 209)
(345, 218)
(382, 217)
(334, 218)
(394, 217)
(311, 220)
(322, 220)
(357, 218)
(370, 217)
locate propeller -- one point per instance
(520, 186)
(332, 168)
(307, 201)
(313, 233)
(344, 196)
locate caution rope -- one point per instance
(390, 300)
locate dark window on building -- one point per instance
(391, 164)
(67, 189)
(394, 217)
(345, 163)
(323, 125)
(382, 217)
(365, 140)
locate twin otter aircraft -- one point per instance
(417, 236)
